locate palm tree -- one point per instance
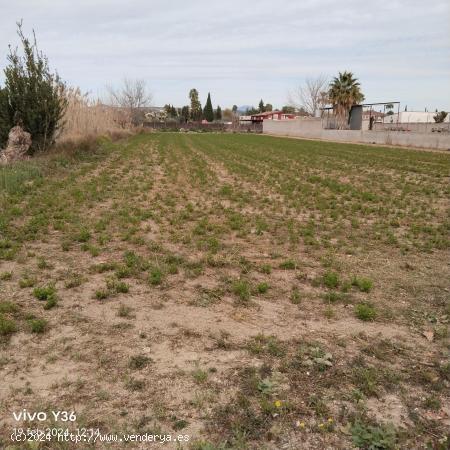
(344, 92)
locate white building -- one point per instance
(413, 117)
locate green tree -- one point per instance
(261, 106)
(344, 92)
(35, 97)
(288, 109)
(234, 109)
(218, 115)
(208, 112)
(196, 106)
(171, 111)
(268, 107)
(185, 114)
(251, 111)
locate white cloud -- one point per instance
(242, 51)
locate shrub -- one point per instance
(45, 293)
(101, 294)
(32, 96)
(5, 123)
(199, 375)
(365, 311)
(331, 280)
(38, 325)
(288, 265)
(363, 284)
(8, 307)
(295, 296)
(262, 287)
(334, 297)
(373, 437)
(26, 282)
(5, 276)
(241, 288)
(139, 362)
(51, 303)
(83, 236)
(117, 286)
(155, 276)
(7, 326)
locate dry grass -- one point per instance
(86, 117)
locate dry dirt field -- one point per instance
(251, 292)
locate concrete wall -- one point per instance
(312, 129)
(413, 127)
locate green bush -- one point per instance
(331, 280)
(373, 437)
(7, 326)
(38, 325)
(262, 287)
(155, 276)
(4, 117)
(8, 307)
(45, 293)
(32, 96)
(242, 289)
(365, 311)
(363, 284)
(289, 264)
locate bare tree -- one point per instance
(311, 96)
(132, 95)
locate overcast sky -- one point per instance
(241, 51)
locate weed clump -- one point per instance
(6, 276)
(7, 326)
(295, 296)
(139, 362)
(330, 280)
(155, 276)
(365, 312)
(27, 282)
(47, 294)
(117, 287)
(363, 284)
(38, 326)
(102, 294)
(8, 307)
(289, 264)
(373, 437)
(262, 288)
(200, 376)
(242, 290)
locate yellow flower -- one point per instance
(330, 420)
(321, 425)
(302, 425)
(278, 403)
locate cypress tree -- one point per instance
(261, 106)
(218, 113)
(208, 112)
(196, 106)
